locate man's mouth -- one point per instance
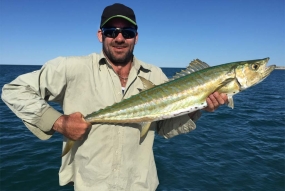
(119, 47)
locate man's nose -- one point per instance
(120, 38)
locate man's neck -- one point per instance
(122, 70)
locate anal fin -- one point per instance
(145, 128)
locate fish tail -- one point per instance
(67, 147)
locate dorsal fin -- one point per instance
(146, 83)
(194, 66)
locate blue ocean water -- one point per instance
(239, 149)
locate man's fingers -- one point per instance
(225, 98)
(219, 99)
(89, 124)
(210, 106)
(75, 126)
(215, 100)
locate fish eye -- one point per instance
(254, 66)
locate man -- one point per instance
(105, 156)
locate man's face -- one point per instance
(118, 50)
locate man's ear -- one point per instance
(100, 35)
(137, 38)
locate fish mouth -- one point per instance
(268, 70)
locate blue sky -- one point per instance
(171, 33)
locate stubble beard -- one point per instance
(122, 58)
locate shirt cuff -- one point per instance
(48, 119)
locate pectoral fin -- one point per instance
(67, 147)
(231, 102)
(224, 83)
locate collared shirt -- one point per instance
(110, 157)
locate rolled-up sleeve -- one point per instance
(179, 125)
(28, 94)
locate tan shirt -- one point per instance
(110, 157)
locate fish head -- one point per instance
(252, 72)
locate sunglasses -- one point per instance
(114, 32)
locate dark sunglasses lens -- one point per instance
(128, 33)
(113, 32)
(109, 33)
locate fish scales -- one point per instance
(163, 100)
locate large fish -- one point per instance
(186, 92)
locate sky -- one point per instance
(171, 32)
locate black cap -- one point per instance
(118, 10)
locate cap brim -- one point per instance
(121, 16)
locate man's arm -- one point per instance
(28, 94)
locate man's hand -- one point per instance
(215, 100)
(72, 126)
